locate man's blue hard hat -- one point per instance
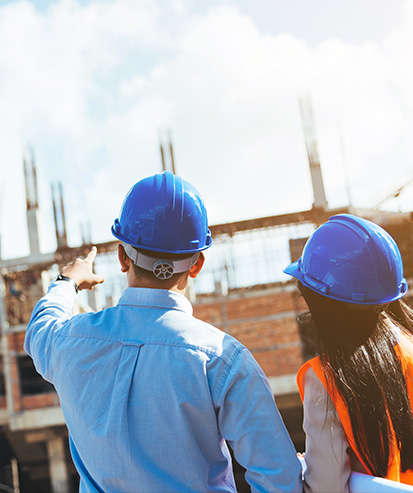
(163, 213)
(351, 259)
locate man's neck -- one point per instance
(177, 287)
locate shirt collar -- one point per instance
(157, 298)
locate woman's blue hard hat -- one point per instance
(351, 259)
(163, 213)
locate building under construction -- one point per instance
(242, 291)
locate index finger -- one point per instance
(92, 254)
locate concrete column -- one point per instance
(59, 477)
(15, 474)
(33, 231)
(4, 349)
(93, 299)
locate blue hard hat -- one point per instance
(351, 259)
(163, 213)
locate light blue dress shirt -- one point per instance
(150, 394)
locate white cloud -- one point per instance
(90, 87)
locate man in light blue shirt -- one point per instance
(151, 394)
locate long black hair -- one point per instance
(357, 352)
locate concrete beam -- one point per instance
(37, 418)
(284, 384)
(14, 329)
(4, 416)
(316, 215)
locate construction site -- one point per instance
(242, 290)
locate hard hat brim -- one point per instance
(294, 270)
(120, 237)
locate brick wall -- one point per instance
(24, 402)
(264, 319)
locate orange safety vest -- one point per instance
(404, 350)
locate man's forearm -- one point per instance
(49, 316)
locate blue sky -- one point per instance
(90, 85)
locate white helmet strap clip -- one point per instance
(162, 268)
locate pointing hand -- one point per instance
(81, 271)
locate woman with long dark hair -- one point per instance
(358, 391)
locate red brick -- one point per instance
(280, 362)
(209, 312)
(16, 341)
(261, 334)
(258, 306)
(39, 401)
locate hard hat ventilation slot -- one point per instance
(163, 269)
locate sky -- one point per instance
(93, 85)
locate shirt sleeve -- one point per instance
(328, 464)
(48, 318)
(250, 422)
